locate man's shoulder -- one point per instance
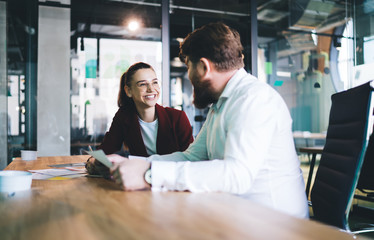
(249, 89)
(250, 84)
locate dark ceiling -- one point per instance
(106, 18)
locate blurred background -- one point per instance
(61, 61)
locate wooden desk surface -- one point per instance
(316, 149)
(95, 208)
(309, 135)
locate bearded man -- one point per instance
(245, 146)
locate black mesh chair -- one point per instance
(342, 157)
(366, 180)
(365, 185)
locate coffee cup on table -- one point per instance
(28, 155)
(13, 181)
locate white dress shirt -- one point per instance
(245, 147)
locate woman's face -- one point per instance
(144, 88)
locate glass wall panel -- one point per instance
(108, 37)
(298, 56)
(364, 42)
(96, 84)
(3, 90)
(186, 16)
(14, 52)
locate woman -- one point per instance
(140, 125)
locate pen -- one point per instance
(89, 147)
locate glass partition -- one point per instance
(3, 90)
(301, 57)
(108, 37)
(364, 42)
(13, 55)
(186, 16)
(95, 84)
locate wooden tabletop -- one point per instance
(95, 208)
(315, 149)
(309, 135)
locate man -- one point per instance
(245, 147)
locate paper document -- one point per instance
(81, 164)
(100, 156)
(52, 172)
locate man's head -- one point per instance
(211, 49)
(216, 42)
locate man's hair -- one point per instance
(216, 42)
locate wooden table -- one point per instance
(95, 208)
(308, 136)
(314, 151)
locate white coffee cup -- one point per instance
(28, 155)
(14, 181)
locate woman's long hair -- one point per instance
(126, 79)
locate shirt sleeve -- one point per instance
(195, 152)
(249, 123)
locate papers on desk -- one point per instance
(101, 157)
(57, 174)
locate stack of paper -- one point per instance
(57, 174)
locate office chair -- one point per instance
(365, 183)
(366, 180)
(342, 157)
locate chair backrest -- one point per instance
(342, 156)
(366, 180)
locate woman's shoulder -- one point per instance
(169, 110)
(126, 109)
(124, 113)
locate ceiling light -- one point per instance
(133, 25)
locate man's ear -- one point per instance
(128, 91)
(207, 65)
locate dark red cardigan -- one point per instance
(174, 132)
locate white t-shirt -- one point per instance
(149, 134)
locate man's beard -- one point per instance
(203, 95)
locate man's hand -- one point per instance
(95, 167)
(129, 173)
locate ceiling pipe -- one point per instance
(185, 8)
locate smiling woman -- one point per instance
(141, 126)
(143, 88)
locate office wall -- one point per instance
(53, 132)
(3, 89)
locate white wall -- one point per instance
(53, 134)
(3, 89)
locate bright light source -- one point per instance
(314, 37)
(180, 40)
(133, 25)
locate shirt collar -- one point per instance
(229, 88)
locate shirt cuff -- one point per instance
(131, 157)
(163, 176)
